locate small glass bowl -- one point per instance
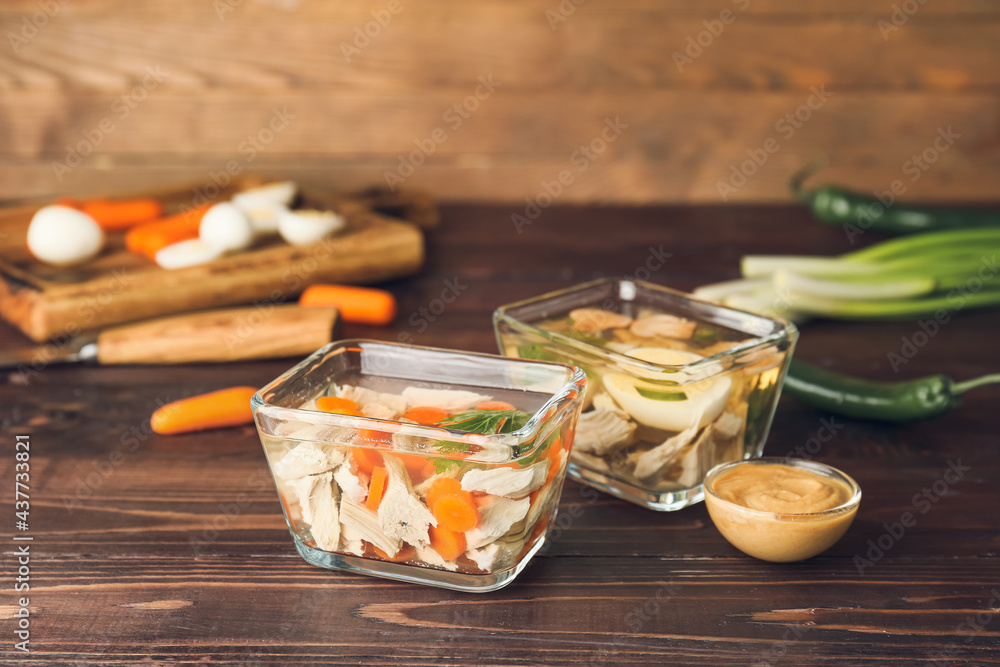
(782, 537)
(725, 373)
(326, 465)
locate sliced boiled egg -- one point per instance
(64, 236)
(303, 227)
(660, 403)
(280, 194)
(186, 253)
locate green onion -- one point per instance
(910, 276)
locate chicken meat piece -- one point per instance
(351, 486)
(308, 458)
(364, 523)
(506, 482)
(697, 460)
(496, 516)
(400, 513)
(592, 320)
(430, 557)
(728, 425)
(661, 324)
(373, 403)
(603, 429)
(450, 400)
(493, 557)
(351, 541)
(650, 463)
(318, 497)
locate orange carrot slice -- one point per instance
(494, 405)
(149, 238)
(414, 465)
(456, 512)
(448, 543)
(118, 215)
(405, 553)
(226, 407)
(363, 305)
(376, 489)
(442, 487)
(425, 414)
(366, 459)
(337, 404)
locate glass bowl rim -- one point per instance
(823, 469)
(560, 399)
(700, 369)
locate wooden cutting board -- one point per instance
(47, 302)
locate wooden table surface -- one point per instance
(167, 550)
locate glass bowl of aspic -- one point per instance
(420, 464)
(676, 385)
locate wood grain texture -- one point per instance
(261, 332)
(894, 78)
(174, 549)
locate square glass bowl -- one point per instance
(419, 464)
(676, 385)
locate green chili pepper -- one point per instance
(882, 401)
(836, 206)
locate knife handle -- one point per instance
(259, 332)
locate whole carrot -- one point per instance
(119, 215)
(226, 407)
(363, 305)
(149, 238)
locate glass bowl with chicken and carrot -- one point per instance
(676, 385)
(420, 464)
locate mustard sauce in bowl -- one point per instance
(781, 510)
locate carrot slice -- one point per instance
(405, 553)
(456, 512)
(425, 414)
(226, 407)
(149, 238)
(415, 465)
(495, 405)
(366, 459)
(376, 489)
(336, 404)
(443, 487)
(363, 305)
(119, 215)
(449, 544)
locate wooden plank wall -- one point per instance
(100, 95)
